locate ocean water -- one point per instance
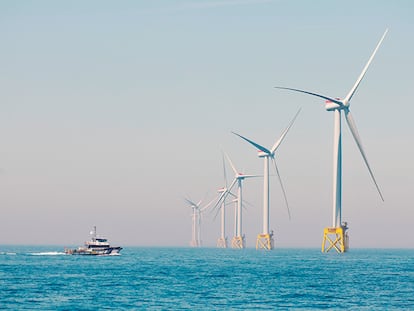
(43, 278)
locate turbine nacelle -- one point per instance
(335, 105)
(262, 154)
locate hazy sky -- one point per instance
(113, 111)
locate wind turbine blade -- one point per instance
(231, 186)
(217, 209)
(276, 145)
(261, 148)
(231, 164)
(224, 170)
(281, 185)
(218, 202)
(249, 176)
(190, 202)
(216, 213)
(202, 200)
(354, 131)
(361, 76)
(336, 101)
(247, 203)
(224, 194)
(207, 205)
(232, 194)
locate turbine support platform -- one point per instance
(337, 238)
(265, 241)
(238, 242)
(222, 243)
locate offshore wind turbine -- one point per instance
(265, 239)
(337, 235)
(222, 240)
(238, 240)
(197, 209)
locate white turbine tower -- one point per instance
(197, 209)
(265, 239)
(338, 230)
(222, 240)
(236, 203)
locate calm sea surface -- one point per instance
(43, 278)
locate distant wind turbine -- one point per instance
(197, 209)
(238, 240)
(222, 240)
(265, 239)
(338, 229)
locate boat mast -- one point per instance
(94, 233)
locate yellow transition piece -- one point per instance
(337, 239)
(264, 241)
(238, 242)
(222, 243)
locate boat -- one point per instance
(97, 246)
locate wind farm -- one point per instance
(264, 239)
(197, 210)
(335, 237)
(238, 240)
(153, 135)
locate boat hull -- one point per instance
(94, 252)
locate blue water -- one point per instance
(43, 278)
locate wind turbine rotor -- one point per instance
(338, 104)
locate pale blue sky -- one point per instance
(112, 111)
